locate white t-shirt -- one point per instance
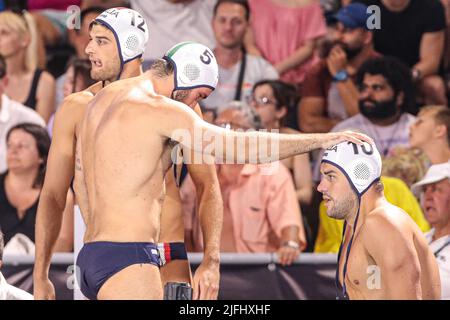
(256, 69)
(171, 23)
(385, 138)
(336, 106)
(8, 292)
(11, 114)
(443, 260)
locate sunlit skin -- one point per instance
(338, 196)
(103, 53)
(405, 266)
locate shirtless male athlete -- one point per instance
(383, 254)
(124, 151)
(110, 62)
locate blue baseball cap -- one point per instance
(353, 16)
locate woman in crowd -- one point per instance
(20, 187)
(78, 78)
(27, 84)
(285, 33)
(273, 99)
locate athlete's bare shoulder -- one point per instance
(71, 112)
(95, 88)
(77, 100)
(386, 223)
(385, 214)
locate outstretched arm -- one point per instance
(182, 124)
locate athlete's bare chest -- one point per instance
(362, 275)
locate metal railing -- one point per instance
(194, 258)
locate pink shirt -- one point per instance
(260, 207)
(280, 30)
(51, 4)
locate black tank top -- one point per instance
(31, 99)
(10, 223)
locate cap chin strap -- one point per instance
(344, 271)
(121, 70)
(344, 295)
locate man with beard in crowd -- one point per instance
(329, 93)
(385, 97)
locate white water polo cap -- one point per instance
(195, 66)
(129, 29)
(361, 164)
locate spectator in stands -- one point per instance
(272, 99)
(385, 94)
(406, 164)
(285, 33)
(435, 190)
(414, 32)
(431, 133)
(261, 212)
(8, 292)
(396, 192)
(76, 78)
(174, 21)
(51, 18)
(106, 3)
(27, 150)
(28, 85)
(78, 38)
(11, 114)
(230, 22)
(329, 94)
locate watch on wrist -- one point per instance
(341, 75)
(291, 243)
